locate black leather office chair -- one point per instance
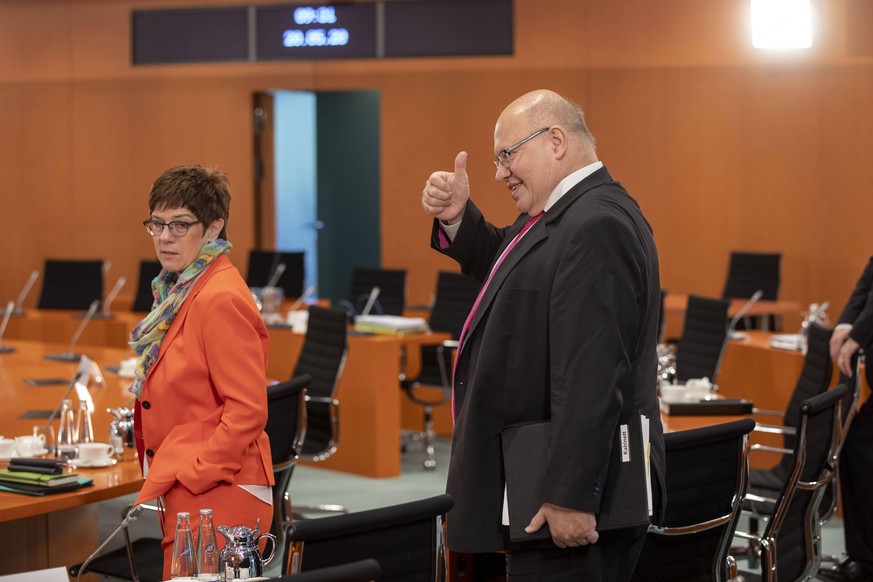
(286, 428)
(455, 295)
(144, 299)
(392, 290)
(322, 358)
(749, 272)
(360, 571)
(704, 338)
(706, 480)
(789, 548)
(71, 284)
(814, 379)
(408, 540)
(263, 264)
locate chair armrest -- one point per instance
(322, 400)
(759, 498)
(769, 449)
(775, 429)
(765, 412)
(451, 344)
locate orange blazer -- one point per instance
(203, 407)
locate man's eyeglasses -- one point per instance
(504, 157)
(177, 227)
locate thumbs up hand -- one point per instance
(445, 194)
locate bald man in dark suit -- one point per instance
(566, 323)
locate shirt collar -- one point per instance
(569, 181)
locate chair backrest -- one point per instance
(392, 289)
(792, 535)
(814, 379)
(704, 337)
(286, 429)
(360, 571)
(748, 272)
(322, 357)
(144, 299)
(455, 295)
(848, 409)
(408, 540)
(71, 284)
(706, 480)
(262, 265)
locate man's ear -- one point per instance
(559, 141)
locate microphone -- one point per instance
(370, 301)
(280, 268)
(131, 516)
(16, 308)
(306, 294)
(738, 335)
(110, 297)
(6, 315)
(71, 355)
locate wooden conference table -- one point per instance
(56, 530)
(372, 408)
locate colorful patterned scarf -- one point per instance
(170, 291)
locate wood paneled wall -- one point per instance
(724, 147)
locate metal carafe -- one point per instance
(241, 558)
(121, 435)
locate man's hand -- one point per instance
(838, 338)
(445, 194)
(569, 528)
(844, 358)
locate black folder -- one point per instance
(625, 496)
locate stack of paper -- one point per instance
(390, 324)
(787, 341)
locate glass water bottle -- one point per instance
(207, 549)
(84, 430)
(184, 564)
(65, 443)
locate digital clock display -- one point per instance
(316, 32)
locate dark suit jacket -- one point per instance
(570, 317)
(859, 313)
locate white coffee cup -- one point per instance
(29, 445)
(7, 447)
(94, 452)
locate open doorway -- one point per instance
(317, 182)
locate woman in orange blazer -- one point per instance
(201, 369)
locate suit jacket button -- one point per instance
(146, 404)
(150, 453)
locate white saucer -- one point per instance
(78, 463)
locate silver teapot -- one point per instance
(121, 435)
(240, 558)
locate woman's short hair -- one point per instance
(203, 191)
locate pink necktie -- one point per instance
(469, 319)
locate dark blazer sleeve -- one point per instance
(476, 243)
(859, 309)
